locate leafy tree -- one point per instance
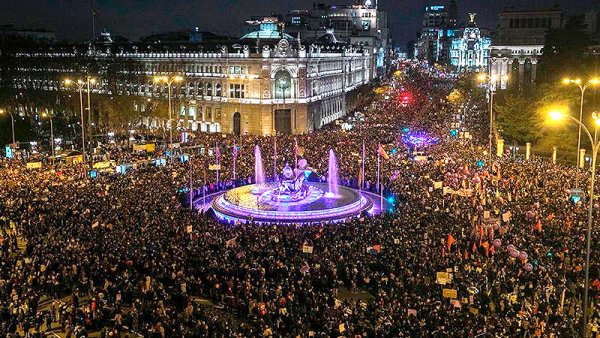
(515, 118)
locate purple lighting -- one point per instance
(240, 205)
(418, 139)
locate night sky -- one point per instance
(71, 19)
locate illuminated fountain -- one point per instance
(332, 177)
(293, 199)
(259, 172)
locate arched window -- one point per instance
(283, 85)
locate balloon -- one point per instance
(523, 255)
(510, 247)
(514, 253)
(302, 163)
(529, 214)
(596, 206)
(528, 267)
(497, 243)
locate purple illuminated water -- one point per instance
(259, 172)
(332, 176)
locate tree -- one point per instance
(515, 118)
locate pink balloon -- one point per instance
(523, 255)
(510, 247)
(497, 243)
(528, 267)
(529, 214)
(514, 253)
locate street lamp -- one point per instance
(491, 83)
(556, 115)
(582, 87)
(51, 134)
(12, 122)
(169, 81)
(79, 84)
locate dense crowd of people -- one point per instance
(470, 249)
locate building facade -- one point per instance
(470, 49)
(360, 24)
(284, 87)
(518, 44)
(437, 31)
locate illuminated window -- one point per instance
(236, 90)
(296, 20)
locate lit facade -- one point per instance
(362, 24)
(470, 51)
(283, 88)
(438, 28)
(518, 44)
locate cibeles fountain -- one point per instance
(292, 198)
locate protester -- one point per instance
(120, 254)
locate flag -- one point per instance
(217, 152)
(231, 243)
(374, 249)
(235, 150)
(486, 246)
(383, 153)
(360, 178)
(450, 241)
(538, 226)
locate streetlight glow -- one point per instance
(555, 115)
(481, 77)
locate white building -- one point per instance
(283, 88)
(518, 44)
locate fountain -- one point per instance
(293, 199)
(259, 172)
(332, 177)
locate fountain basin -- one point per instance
(240, 204)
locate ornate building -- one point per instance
(280, 86)
(518, 44)
(470, 50)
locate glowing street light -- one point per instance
(169, 81)
(51, 134)
(582, 87)
(490, 81)
(12, 122)
(557, 116)
(79, 85)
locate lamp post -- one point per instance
(12, 123)
(79, 84)
(595, 146)
(51, 134)
(89, 80)
(491, 83)
(169, 81)
(582, 87)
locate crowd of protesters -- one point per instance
(120, 255)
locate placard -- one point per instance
(449, 293)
